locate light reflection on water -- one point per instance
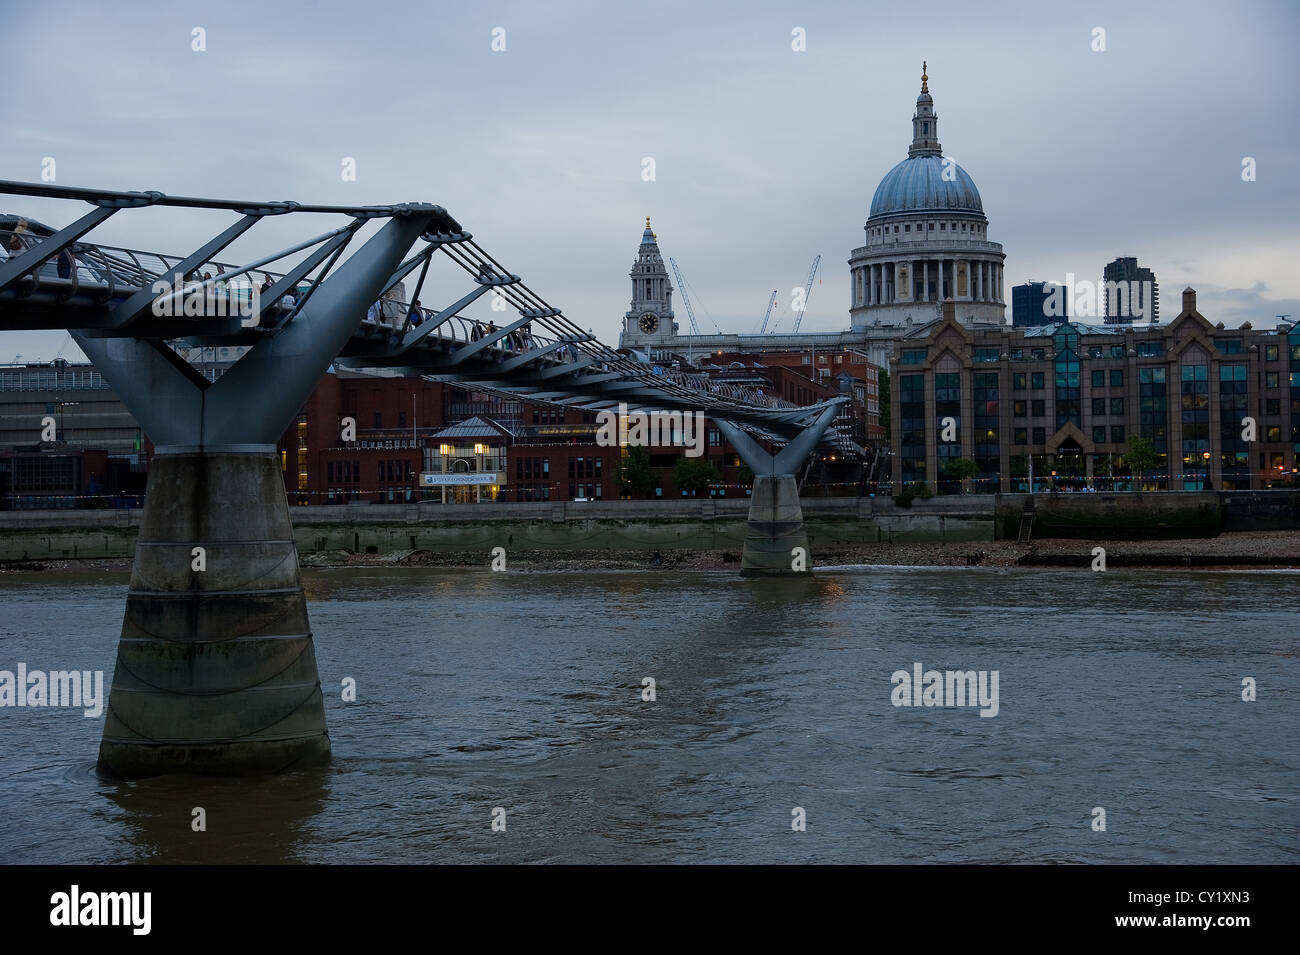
(523, 690)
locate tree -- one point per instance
(694, 474)
(745, 475)
(959, 469)
(635, 474)
(885, 414)
(1140, 457)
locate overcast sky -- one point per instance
(764, 157)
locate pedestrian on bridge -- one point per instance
(64, 263)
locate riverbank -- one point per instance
(1256, 549)
(1250, 549)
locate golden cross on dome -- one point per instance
(924, 79)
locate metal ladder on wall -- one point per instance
(1027, 521)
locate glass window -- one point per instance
(1150, 349)
(1037, 354)
(1094, 351)
(1020, 436)
(1099, 434)
(1036, 380)
(1039, 407)
(1099, 379)
(1270, 353)
(1017, 409)
(1116, 406)
(1274, 433)
(1018, 381)
(1272, 406)
(1098, 406)
(1116, 351)
(1040, 436)
(1117, 434)
(986, 354)
(914, 357)
(1117, 377)
(1270, 379)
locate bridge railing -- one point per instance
(108, 272)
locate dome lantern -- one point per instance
(925, 124)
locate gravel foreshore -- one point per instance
(1262, 549)
(1240, 550)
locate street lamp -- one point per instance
(1207, 486)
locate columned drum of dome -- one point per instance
(926, 241)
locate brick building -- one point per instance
(394, 419)
(829, 373)
(1061, 402)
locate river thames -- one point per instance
(523, 691)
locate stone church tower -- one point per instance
(649, 322)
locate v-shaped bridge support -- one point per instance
(216, 668)
(776, 544)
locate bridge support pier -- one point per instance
(776, 531)
(776, 543)
(216, 669)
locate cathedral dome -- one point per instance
(918, 185)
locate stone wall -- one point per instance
(709, 525)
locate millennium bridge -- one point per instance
(216, 670)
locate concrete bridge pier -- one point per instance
(776, 544)
(216, 668)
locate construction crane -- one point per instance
(686, 299)
(768, 314)
(807, 291)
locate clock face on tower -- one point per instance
(649, 323)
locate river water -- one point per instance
(1119, 690)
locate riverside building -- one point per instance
(1060, 402)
